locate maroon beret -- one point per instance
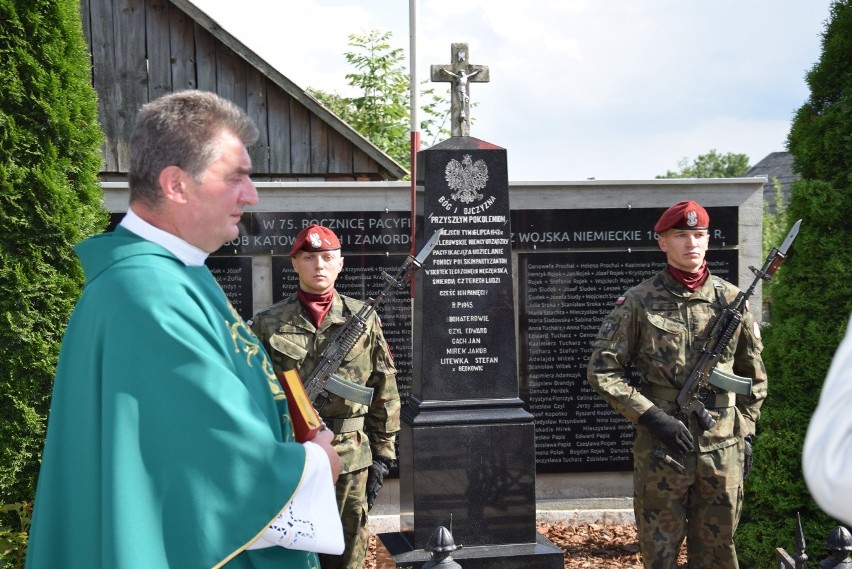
(683, 215)
(315, 238)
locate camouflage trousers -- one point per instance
(703, 504)
(351, 490)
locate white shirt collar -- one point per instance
(189, 254)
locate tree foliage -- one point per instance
(381, 110)
(50, 200)
(711, 165)
(812, 303)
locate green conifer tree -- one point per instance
(812, 301)
(49, 200)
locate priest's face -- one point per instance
(317, 270)
(215, 202)
(685, 248)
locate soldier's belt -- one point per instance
(340, 426)
(349, 391)
(717, 401)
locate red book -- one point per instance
(306, 421)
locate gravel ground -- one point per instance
(585, 546)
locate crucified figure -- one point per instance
(461, 83)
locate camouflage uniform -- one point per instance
(361, 432)
(658, 327)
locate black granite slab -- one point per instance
(467, 446)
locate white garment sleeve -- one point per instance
(827, 455)
(311, 521)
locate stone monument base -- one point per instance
(396, 550)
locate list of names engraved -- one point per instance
(234, 275)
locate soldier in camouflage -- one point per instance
(687, 482)
(295, 331)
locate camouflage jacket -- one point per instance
(658, 328)
(293, 342)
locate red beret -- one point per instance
(683, 215)
(315, 238)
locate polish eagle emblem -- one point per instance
(466, 178)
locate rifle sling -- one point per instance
(349, 391)
(717, 401)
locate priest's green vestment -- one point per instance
(168, 442)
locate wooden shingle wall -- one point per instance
(142, 49)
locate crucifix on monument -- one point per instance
(461, 73)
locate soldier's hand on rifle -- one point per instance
(376, 478)
(668, 429)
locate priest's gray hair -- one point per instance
(181, 129)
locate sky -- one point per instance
(579, 89)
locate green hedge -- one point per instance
(812, 301)
(49, 200)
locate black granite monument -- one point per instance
(467, 445)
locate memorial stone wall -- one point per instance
(575, 246)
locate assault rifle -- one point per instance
(323, 377)
(689, 399)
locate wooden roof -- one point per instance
(143, 49)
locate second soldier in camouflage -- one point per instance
(688, 483)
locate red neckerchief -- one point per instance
(317, 305)
(692, 281)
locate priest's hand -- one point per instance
(323, 438)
